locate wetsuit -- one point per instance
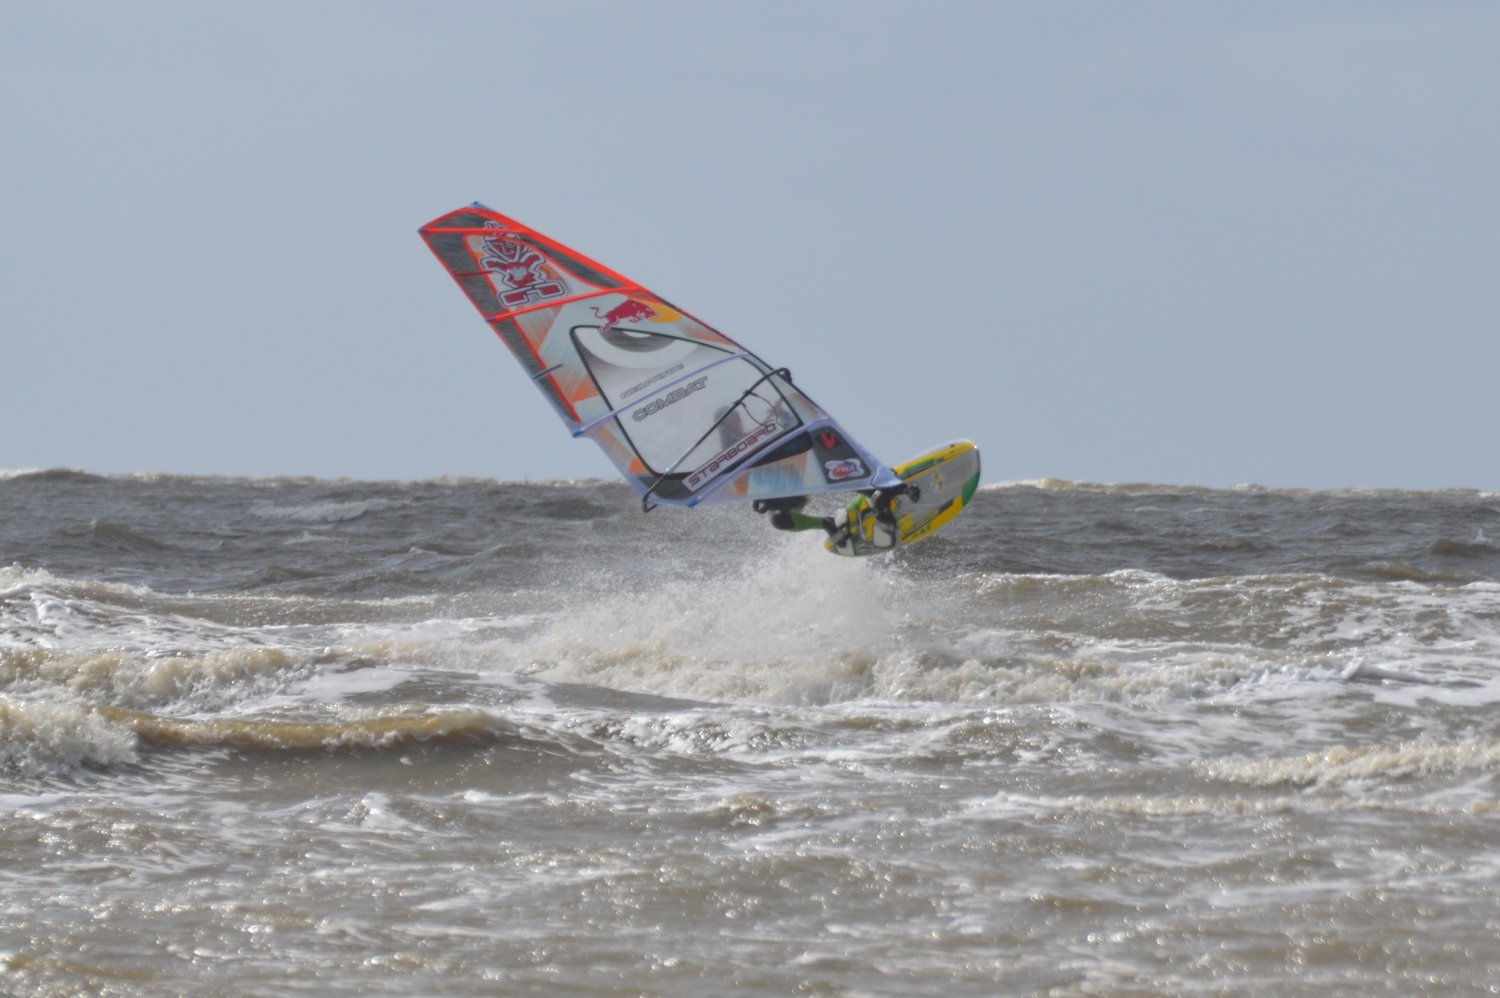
(786, 513)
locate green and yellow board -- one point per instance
(940, 485)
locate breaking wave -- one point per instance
(1380, 763)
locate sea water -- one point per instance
(301, 737)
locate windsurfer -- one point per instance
(786, 514)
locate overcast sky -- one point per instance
(1115, 242)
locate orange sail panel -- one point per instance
(687, 414)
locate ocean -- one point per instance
(467, 737)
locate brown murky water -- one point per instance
(471, 738)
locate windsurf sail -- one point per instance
(687, 414)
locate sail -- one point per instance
(687, 414)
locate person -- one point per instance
(786, 513)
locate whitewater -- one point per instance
(471, 737)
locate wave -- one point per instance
(43, 736)
(1400, 571)
(1212, 805)
(800, 628)
(282, 481)
(50, 475)
(1188, 489)
(1479, 547)
(117, 538)
(49, 736)
(1044, 483)
(372, 731)
(325, 511)
(143, 677)
(1070, 485)
(1356, 763)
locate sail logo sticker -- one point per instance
(628, 310)
(518, 267)
(675, 395)
(839, 471)
(725, 458)
(658, 376)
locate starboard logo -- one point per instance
(839, 471)
(518, 267)
(675, 395)
(729, 455)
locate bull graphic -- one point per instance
(628, 310)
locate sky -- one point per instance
(1180, 243)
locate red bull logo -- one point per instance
(840, 471)
(518, 267)
(628, 310)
